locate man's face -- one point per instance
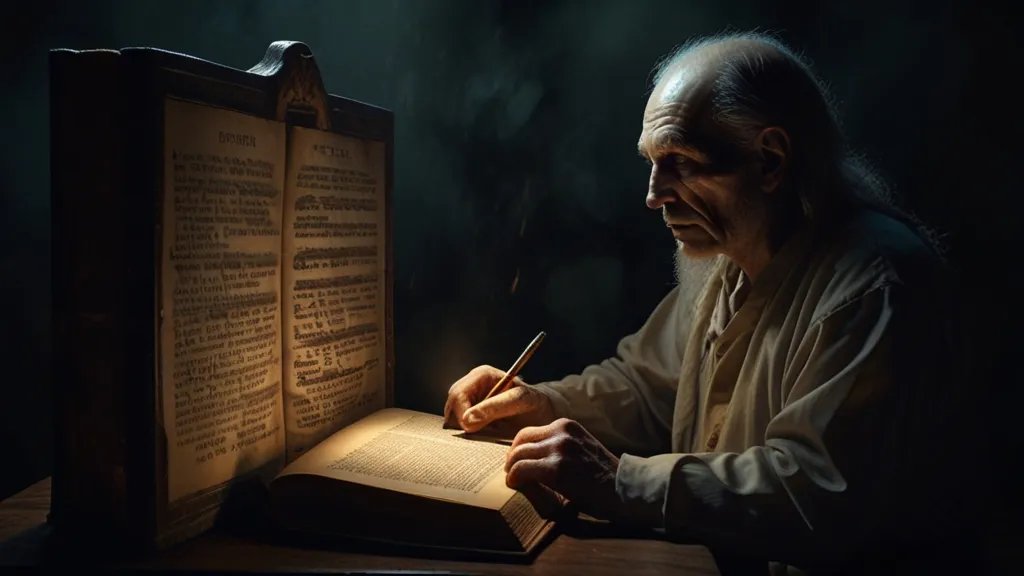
(703, 186)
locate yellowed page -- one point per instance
(333, 283)
(220, 328)
(411, 452)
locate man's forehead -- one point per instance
(680, 82)
(674, 104)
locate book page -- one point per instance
(411, 452)
(334, 284)
(220, 330)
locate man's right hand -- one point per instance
(517, 407)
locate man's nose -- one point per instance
(658, 197)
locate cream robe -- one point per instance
(813, 432)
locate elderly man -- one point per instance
(782, 401)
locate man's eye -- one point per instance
(685, 166)
(676, 162)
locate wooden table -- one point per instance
(23, 535)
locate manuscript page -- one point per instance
(220, 329)
(333, 284)
(411, 452)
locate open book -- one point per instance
(398, 476)
(222, 291)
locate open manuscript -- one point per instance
(272, 291)
(232, 315)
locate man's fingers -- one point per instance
(454, 407)
(449, 410)
(508, 403)
(460, 403)
(526, 472)
(532, 434)
(530, 451)
(466, 390)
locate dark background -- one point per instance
(516, 127)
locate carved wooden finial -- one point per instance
(299, 84)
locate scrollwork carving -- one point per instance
(299, 84)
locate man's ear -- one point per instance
(773, 147)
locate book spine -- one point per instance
(88, 492)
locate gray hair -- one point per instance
(762, 82)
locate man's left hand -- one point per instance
(564, 457)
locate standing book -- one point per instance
(222, 308)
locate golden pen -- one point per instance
(510, 376)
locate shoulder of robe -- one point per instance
(871, 251)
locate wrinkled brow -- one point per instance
(668, 141)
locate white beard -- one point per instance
(693, 274)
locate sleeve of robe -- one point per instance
(837, 460)
(627, 401)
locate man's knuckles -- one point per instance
(527, 451)
(520, 473)
(514, 475)
(476, 378)
(568, 447)
(569, 427)
(544, 471)
(484, 373)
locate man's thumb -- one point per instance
(509, 403)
